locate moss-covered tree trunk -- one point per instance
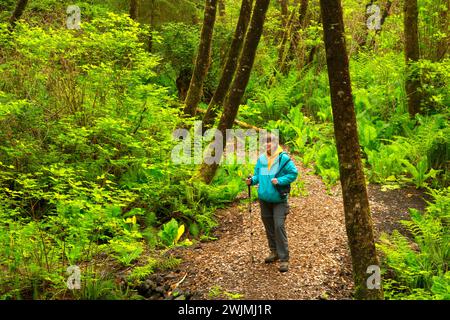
(230, 65)
(222, 8)
(299, 24)
(386, 12)
(285, 38)
(203, 59)
(412, 83)
(239, 84)
(356, 205)
(17, 14)
(133, 9)
(442, 45)
(284, 9)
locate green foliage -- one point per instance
(171, 232)
(419, 269)
(125, 252)
(216, 292)
(85, 164)
(86, 136)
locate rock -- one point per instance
(143, 290)
(170, 276)
(150, 285)
(196, 296)
(159, 279)
(160, 290)
(155, 297)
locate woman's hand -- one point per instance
(274, 181)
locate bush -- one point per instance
(417, 268)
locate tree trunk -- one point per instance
(230, 65)
(17, 14)
(298, 25)
(284, 39)
(386, 11)
(442, 45)
(284, 4)
(134, 9)
(356, 205)
(152, 8)
(237, 89)
(222, 11)
(203, 59)
(412, 82)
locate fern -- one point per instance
(419, 269)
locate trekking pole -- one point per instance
(251, 221)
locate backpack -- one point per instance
(282, 190)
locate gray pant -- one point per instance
(273, 216)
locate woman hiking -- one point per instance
(274, 172)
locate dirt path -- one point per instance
(320, 262)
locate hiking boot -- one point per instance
(271, 258)
(284, 266)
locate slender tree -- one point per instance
(239, 84)
(442, 45)
(298, 25)
(222, 11)
(203, 59)
(133, 9)
(230, 65)
(17, 14)
(284, 9)
(386, 12)
(151, 7)
(356, 205)
(285, 38)
(412, 83)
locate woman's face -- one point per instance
(270, 147)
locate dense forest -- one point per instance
(98, 99)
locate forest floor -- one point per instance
(320, 265)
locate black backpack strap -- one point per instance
(284, 165)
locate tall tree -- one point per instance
(237, 89)
(17, 14)
(203, 59)
(285, 38)
(412, 83)
(298, 25)
(442, 45)
(222, 10)
(356, 205)
(133, 9)
(284, 9)
(230, 65)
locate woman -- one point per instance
(273, 203)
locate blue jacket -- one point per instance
(263, 177)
